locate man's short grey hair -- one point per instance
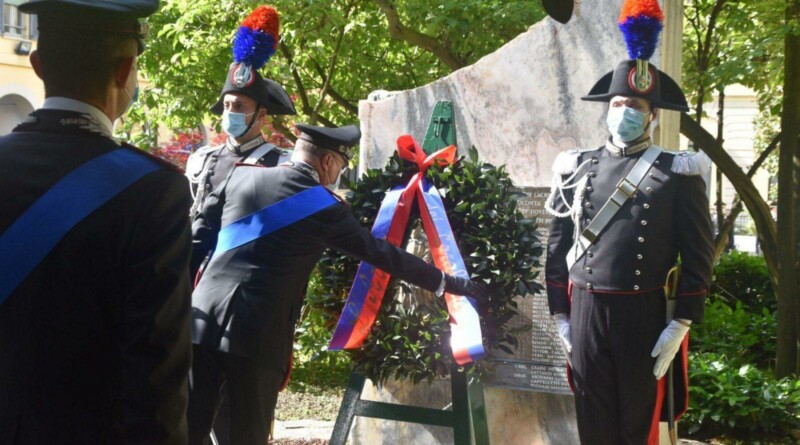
(307, 147)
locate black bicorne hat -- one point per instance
(660, 90)
(250, 83)
(338, 139)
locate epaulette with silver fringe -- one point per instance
(196, 161)
(567, 161)
(690, 163)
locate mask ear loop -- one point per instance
(255, 115)
(653, 124)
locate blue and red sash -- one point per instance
(274, 217)
(369, 286)
(28, 241)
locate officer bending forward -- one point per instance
(246, 303)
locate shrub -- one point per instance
(744, 337)
(739, 401)
(742, 277)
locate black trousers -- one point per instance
(252, 390)
(615, 389)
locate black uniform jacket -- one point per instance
(248, 298)
(95, 342)
(668, 217)
(208, 167)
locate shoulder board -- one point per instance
(156, 159)
(196, 160)
(690, 163)
(567, 161)
(206, 150)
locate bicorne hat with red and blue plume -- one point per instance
(254, 44)
(641, 22)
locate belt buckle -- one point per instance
(626, 187)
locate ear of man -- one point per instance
(36, 63)
(124, 70)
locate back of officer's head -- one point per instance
(79, 52)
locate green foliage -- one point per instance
(739, 400)
(741, 277)
(742, 336)
(732, 388)
(189, 52)
(410, 337)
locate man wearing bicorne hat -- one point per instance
(246, 102)
(94, 248)
(268, 227)
(626, 213)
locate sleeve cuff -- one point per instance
(557, 298)
(690, 306)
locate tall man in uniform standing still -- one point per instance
(94, 248)
(626, 212)
(245, 104)
(269, 227)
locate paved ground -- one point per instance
(297, 432)
(316, 432)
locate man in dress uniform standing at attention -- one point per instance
(268, 228)
(245, 104)
(94, 248)
(626, 213)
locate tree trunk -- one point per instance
(752, 199)
(736, 206)
(787, 355)
(722, 238)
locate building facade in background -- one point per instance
(20, 90)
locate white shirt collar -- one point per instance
(67, 104)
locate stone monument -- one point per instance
(519, 106)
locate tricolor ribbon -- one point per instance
(369, 286)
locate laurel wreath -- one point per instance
(410, 337)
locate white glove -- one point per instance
(562, 324)
(668, 344)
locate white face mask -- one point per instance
(335, 186)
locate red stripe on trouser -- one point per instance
(652, 439)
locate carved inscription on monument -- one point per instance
(538, 363)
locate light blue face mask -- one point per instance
(625, 123)
(234, 124)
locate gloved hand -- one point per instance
(667, 345)
(462, 286)
(564, 333)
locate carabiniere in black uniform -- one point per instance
(248, 299)
(208, 167)
(613, 295)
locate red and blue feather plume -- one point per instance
(641, 22)
(257, 38)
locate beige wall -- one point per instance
(739, 134)
(20, 90)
